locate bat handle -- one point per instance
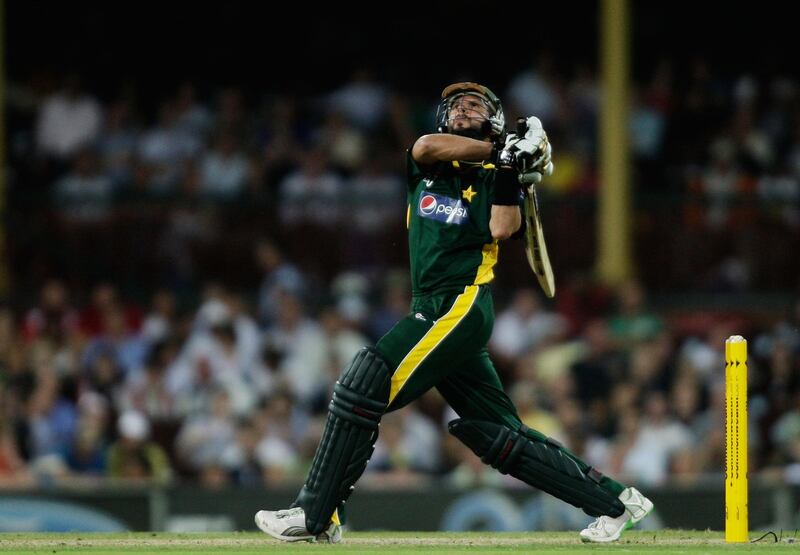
(522, 127)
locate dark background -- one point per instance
(300, 48)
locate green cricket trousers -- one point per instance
(442, 344)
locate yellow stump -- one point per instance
(736, 523)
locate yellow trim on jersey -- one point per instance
(432, 338)
(335, 518)
(485, 273)
(485, 165)
(408, 216)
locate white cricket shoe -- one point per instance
(290, 526)
(608, 529)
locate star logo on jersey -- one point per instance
(468, 193)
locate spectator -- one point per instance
(146, 389)
(69, 120)
(117, 145)
(647, 128)
(276, 451)
(127, 350)
(84, 196)
(133, 457)
(53, 317)
(225, 170)
(527, 398)
(103, 376)
(194, 119)
(779, 193)
(51, 419)
(525, 325)
(533, 91)
(281, 140)
(786, 434)
(311, 195)
(222, 353)
(240, 458)
(345, 144)
(343, 342)
(659, 437)
(104, 300)
(362, 100)
(162, 320)
(300, 346)
(349, 290)
(280, 277)
(87, 453)
(13, 471)
(633, 323)
(709, 427)
(379, 196)
(395, 305)
(166, 149)
(204, 438)
(602, 364)
(722, 184)
(409, 442)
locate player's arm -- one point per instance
(504, 221)
(443, 147)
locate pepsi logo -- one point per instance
(443, 209)
(427, 204)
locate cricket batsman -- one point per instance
(464, 191)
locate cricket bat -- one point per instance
(535, 246)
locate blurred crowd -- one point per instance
(235, 391)
(714, 154)
(152, 337)
(727, 138)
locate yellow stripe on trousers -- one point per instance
(432, 338)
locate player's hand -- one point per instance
(541, 167)
(537, 163)
(507, 155)
(518, 153)
(530, 155)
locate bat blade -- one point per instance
(535, 246)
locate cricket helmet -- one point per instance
(495, 123)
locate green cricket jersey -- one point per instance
(449, 205)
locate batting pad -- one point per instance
(545, 465)
(360, 398)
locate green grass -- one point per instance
(664, 541)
